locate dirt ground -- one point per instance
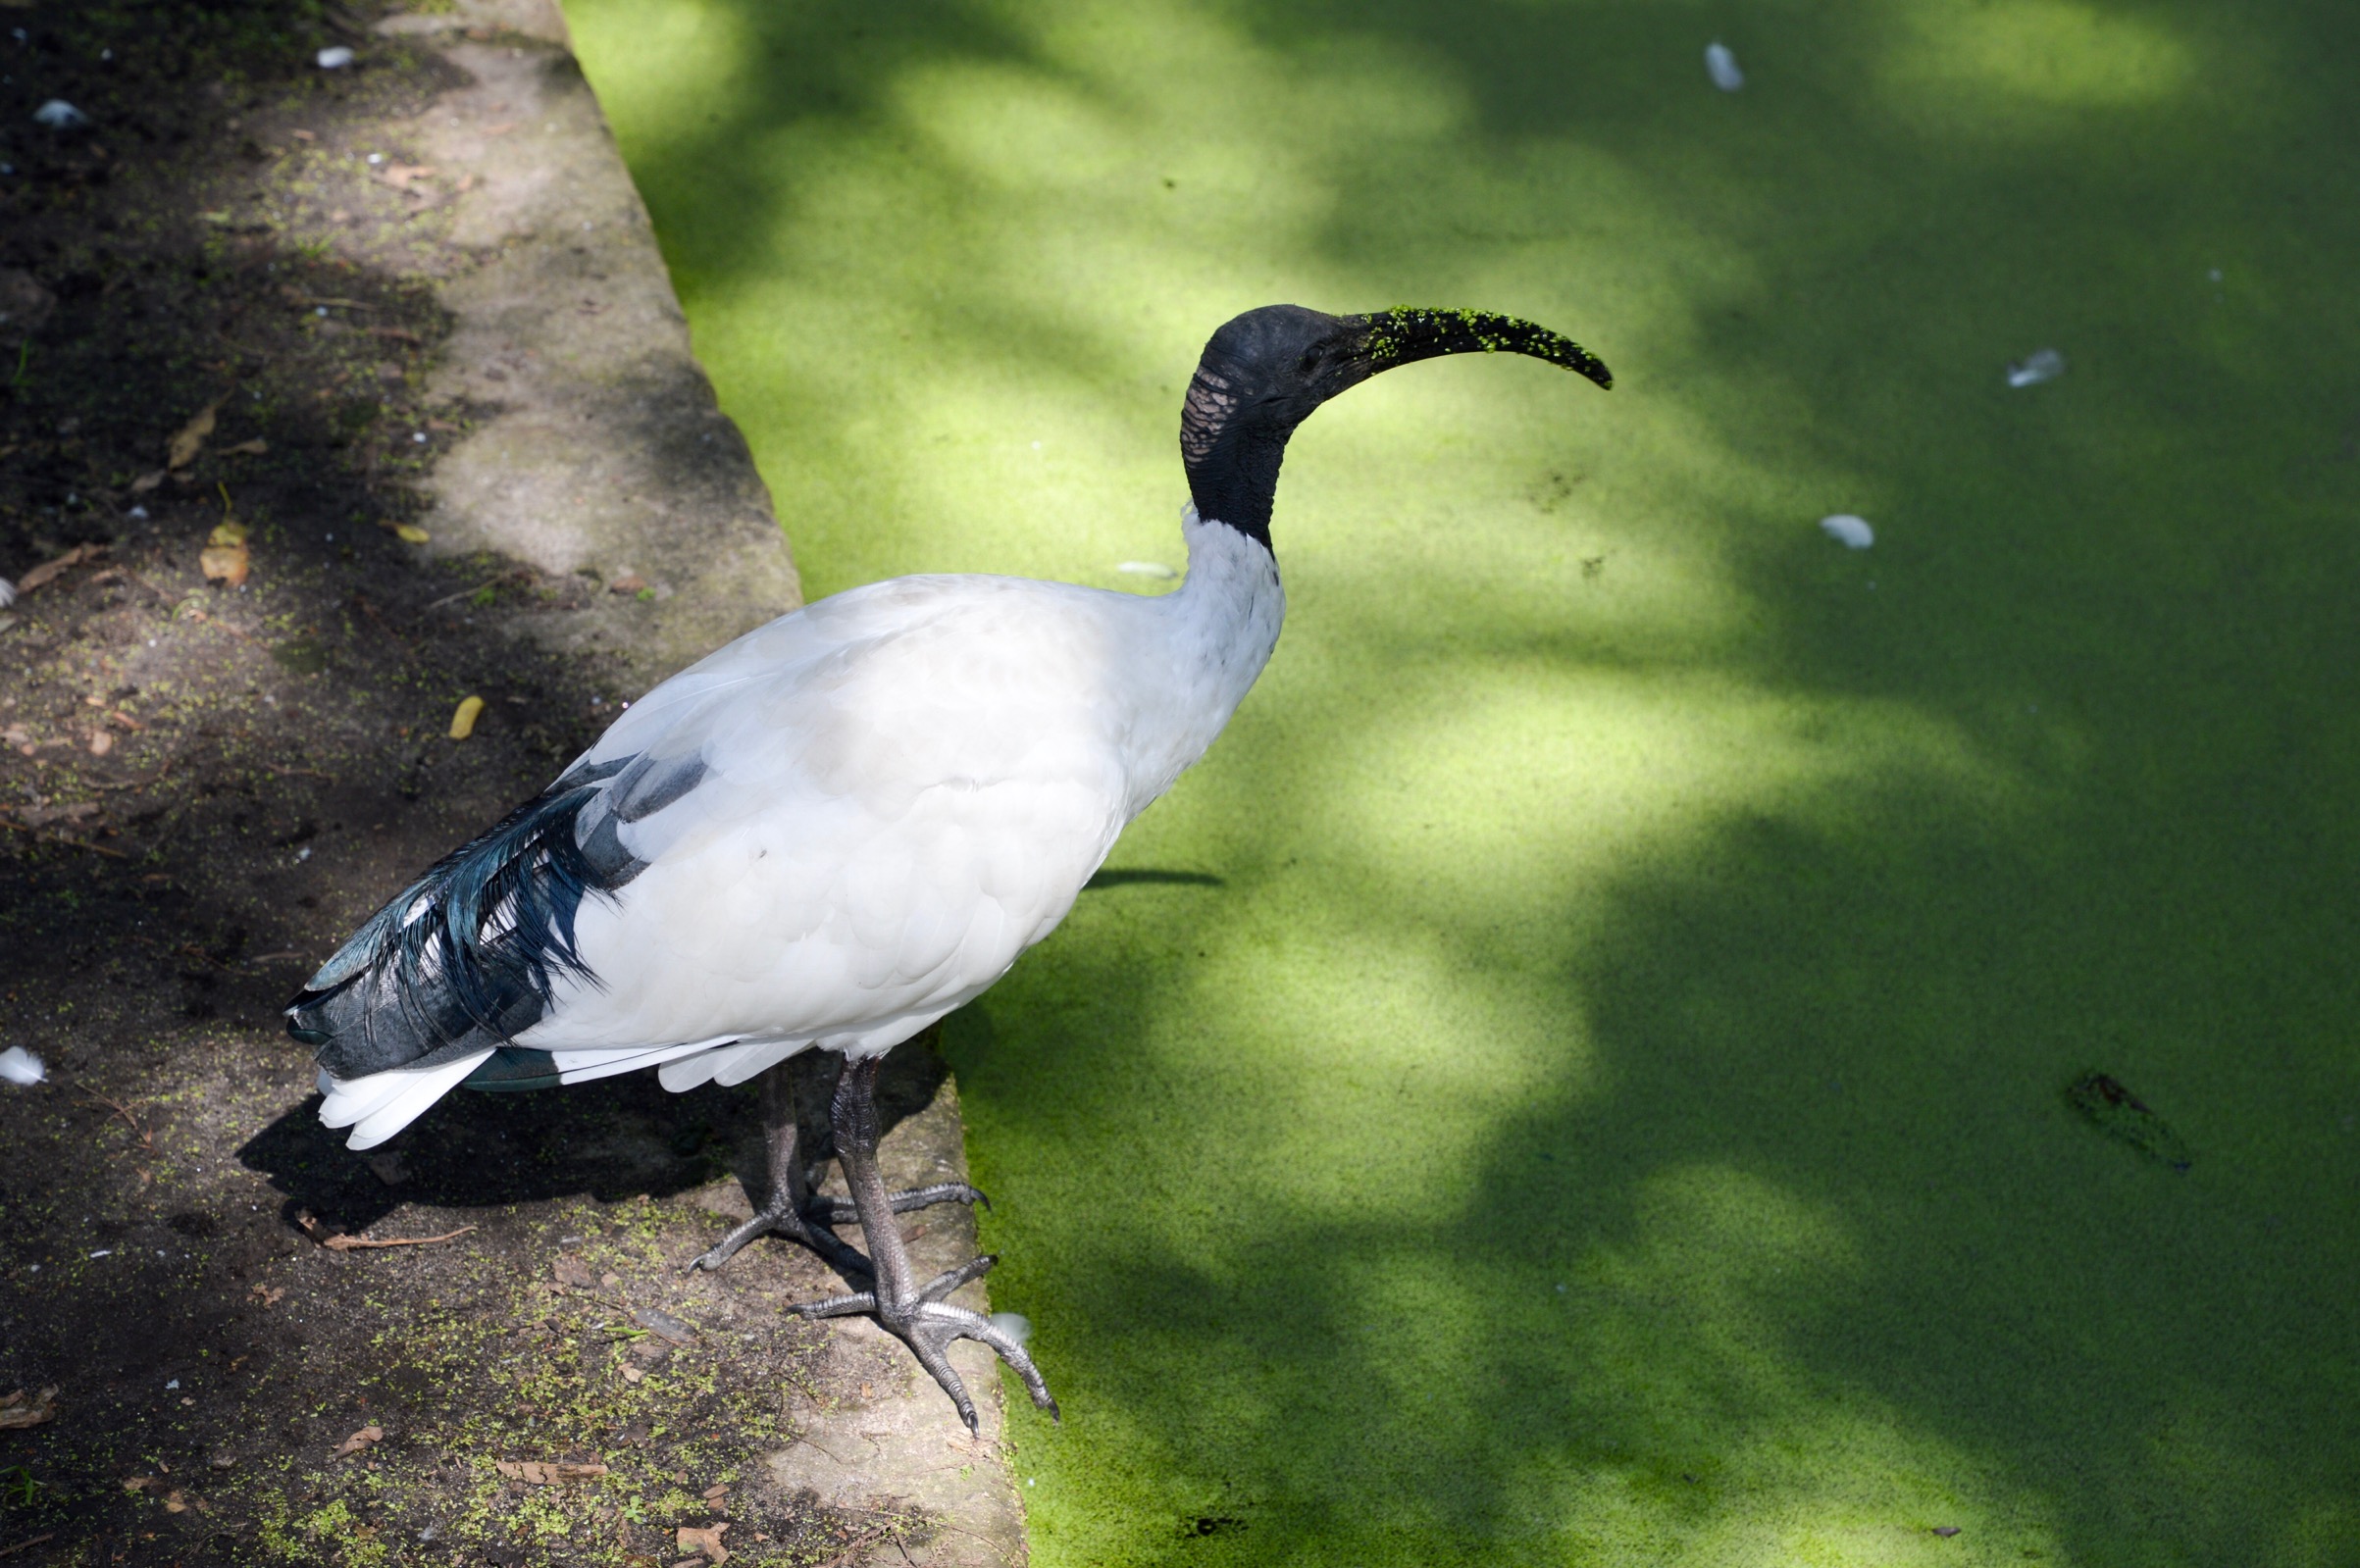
(226, 693)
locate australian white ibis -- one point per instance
(850, 821)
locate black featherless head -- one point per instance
(1264, 372)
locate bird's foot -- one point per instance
(928, 1325)
(783, 1216)
(806, 1223)
(840, 1210)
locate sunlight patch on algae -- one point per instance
(1981, 62)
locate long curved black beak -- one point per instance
(1409, 333)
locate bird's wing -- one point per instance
(852, 818)
(859, 840)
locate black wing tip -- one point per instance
(477, 964)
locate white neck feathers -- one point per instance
(1214, 633)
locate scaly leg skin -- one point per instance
(792, 1210)
(916, 1315)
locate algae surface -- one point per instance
(1580, 1072)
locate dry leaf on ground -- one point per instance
(547, 1473)
(48, 571)
(20, 1410)
(225, 563)
(359, 1440)
(189, 440)
(223, 558)
(572, 1271)
(707, 1540)
(257, 447)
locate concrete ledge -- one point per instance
(599, 451)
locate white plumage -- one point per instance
(904, 788)
(848, 823)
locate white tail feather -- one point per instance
(381, 1104)
(688, 1072)
(580, 1066)
(739, 1063)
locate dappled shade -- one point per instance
(1608, 1099)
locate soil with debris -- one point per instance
(227, 692)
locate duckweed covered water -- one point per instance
(1579, 1073)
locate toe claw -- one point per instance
(942, 1285)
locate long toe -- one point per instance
(932, 1351)
(729, 1245)
(841, 1212)
(837, 1306)
(942, 1285)
(940, 1323)
(778, 1219)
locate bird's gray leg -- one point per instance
(912, 1313)
(791, 1209)
(843, 1211)
(788, 1209)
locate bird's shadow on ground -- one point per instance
(613, 1139)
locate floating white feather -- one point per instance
(2041, 365)
(1852, 532)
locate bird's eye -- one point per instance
(1309, 363)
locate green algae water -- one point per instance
(1594, 1067)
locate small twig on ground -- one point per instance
(122, 1110)
(30, 1541)
(195, 613)
(488, 583)
(310, 1224)
(155, 777)
(61, 839)
(292, 773)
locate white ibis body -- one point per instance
(850, 821)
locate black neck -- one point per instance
(1237, 484)
(1232, 455)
